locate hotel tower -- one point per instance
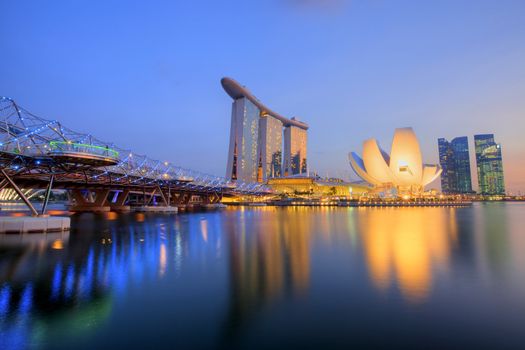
(263, 144)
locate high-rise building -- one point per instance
(446, 160)
(295, 151)
(256, 139)
(462, 163)
(455, 161)
(271, 150)
(490, 165)
(244, 137)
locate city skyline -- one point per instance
(364, 69)
(296, 174)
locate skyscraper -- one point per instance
(295, 151)
(244, 137)
(271, 149)
(446, 160)
(454, 158)
(490, 165)
(462, 163)
(256, 139)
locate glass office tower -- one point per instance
(454, 159)
(490, 165)
(270, 147)
(295, 140)
(446, 161)
(243, 159)
(462, 164)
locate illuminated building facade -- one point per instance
(295, 140)
(244, 136)
(455, 161)
(256, 139)
(271, 154)
(316, 187)
(446, 160)
(490, 165)
(402, 169)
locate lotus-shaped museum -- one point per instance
(403, 169)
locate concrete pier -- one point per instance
(31, 224)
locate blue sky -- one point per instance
(146, 75)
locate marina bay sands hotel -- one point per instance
(257, 151)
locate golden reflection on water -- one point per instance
(163, 259)
(405, 246)
(57, 244)
(270, 257)
(140, 217)
(204, 230)
(111, 216)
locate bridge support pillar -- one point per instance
(48, 193)
(89, 201)
(158, 201)
(19, 192)
(213, 198)
(119, 201)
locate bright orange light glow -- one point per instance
(58, 244)
(56, 212)
(111, 216)
(140, 217)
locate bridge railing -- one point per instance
(84, 148)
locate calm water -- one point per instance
(270, 278)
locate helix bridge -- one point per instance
(38, 153)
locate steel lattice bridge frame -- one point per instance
(37, 153)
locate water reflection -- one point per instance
(405, 245)
(271, 256)
(249, 262)
(78, 279)
(492, 223)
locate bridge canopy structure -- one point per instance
(32, 148)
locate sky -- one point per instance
(146, 75)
